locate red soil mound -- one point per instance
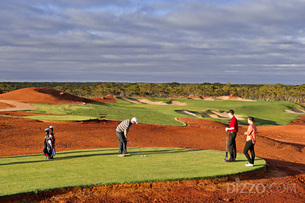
(109, 98)
(299, 121)
(43, 96)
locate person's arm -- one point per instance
(250, 129)
(125, 134)
(232, 125)
(232, 128)
(253, 135)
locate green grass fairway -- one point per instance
(266, 113)
(33, 173)
(61, 118)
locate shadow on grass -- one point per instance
(91, 153)
(262, 122)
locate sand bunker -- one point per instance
(298, 111)
(15, 106)
(5, 105)
(232, 98)
(208, 114)
(147, 101)
(176, 103)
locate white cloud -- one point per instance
(183, 41)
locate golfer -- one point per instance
(233, 129)
(250, 141)
(121, 132)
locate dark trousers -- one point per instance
(249, 146)
(232, 145)
(122, 142)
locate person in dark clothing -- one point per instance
(233, 129)
(121, 132)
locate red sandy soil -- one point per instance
(108, 98)
(43, 96)
(284, 180)
(6, 105)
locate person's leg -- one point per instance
(231, 146)
(121, 142)
(246, 149)
(234, 146)
(124, 145)
(252, 153)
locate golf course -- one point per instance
(178, 146)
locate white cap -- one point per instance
(51, 126)
(135, 120)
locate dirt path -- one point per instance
(284, 181)
(19, 106)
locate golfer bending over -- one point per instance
(233, 129)
(251, 140)
(121, 132)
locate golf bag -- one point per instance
(49, 144)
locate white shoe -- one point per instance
(248, 164)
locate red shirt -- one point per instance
(233, 123)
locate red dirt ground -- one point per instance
(6, 106)
(281, 146)
(108, 98)
(43, 96)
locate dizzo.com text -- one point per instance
(249, 188)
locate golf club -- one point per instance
(142, 155)
(226, 147)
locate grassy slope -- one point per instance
(30, 173)
(266, 113)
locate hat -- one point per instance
(135, 120)
(231, 111)
(51, 126)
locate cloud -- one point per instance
(233, 41)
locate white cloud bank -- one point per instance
(237, 41)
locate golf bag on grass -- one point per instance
(49, 144)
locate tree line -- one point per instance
(266, 92)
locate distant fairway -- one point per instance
(32, 173)
(61, 118)
(266, 113)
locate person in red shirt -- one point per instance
(233, 129)
(250, 141)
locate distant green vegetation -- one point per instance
(265, 112)
(33, 173)
(268, 92)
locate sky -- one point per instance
(185, 41)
